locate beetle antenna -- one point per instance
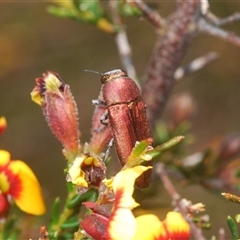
(92, 71)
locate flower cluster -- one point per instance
(110, 215)
(121, 223)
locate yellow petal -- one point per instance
(4, 157)
(108, 183)
(176, 226)
(124, 183)
(36, 96)
(122, 225)
(76, 173)
(28, 196)
(149, 227)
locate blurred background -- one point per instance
(33, 41)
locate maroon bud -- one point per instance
(95, 226)
(97, 208)
(181, 108)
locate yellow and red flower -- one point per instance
(3, 124)
(121, 224)
(17, 181)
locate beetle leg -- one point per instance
(110, 144)
(98, 102)
(104, 121)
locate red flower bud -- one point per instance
(95, 226)
(60, 111)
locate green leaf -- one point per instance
(14, 235)
(72, 222)
(76, 201)
(61, 12)
(128, 9)
(10, 232)
(233, 228)
(53, 235)
(55, 211)
(165, 146)
(89, 11)
(138, 155)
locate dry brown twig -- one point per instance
(43, 233)
(181, 205)
(195, 65)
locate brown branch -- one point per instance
(167, 56)
(163, 175)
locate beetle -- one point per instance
(127, 117)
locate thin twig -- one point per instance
(231, 37)
(122, 43)
(152, 16)
(222, 21)
(195, 65)
(163, 175)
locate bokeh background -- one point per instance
(33, 41)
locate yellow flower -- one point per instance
(18, 181)
(87, 170)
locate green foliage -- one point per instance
(92, 12)
(233, 228)
(65, 223)
(10, 229)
